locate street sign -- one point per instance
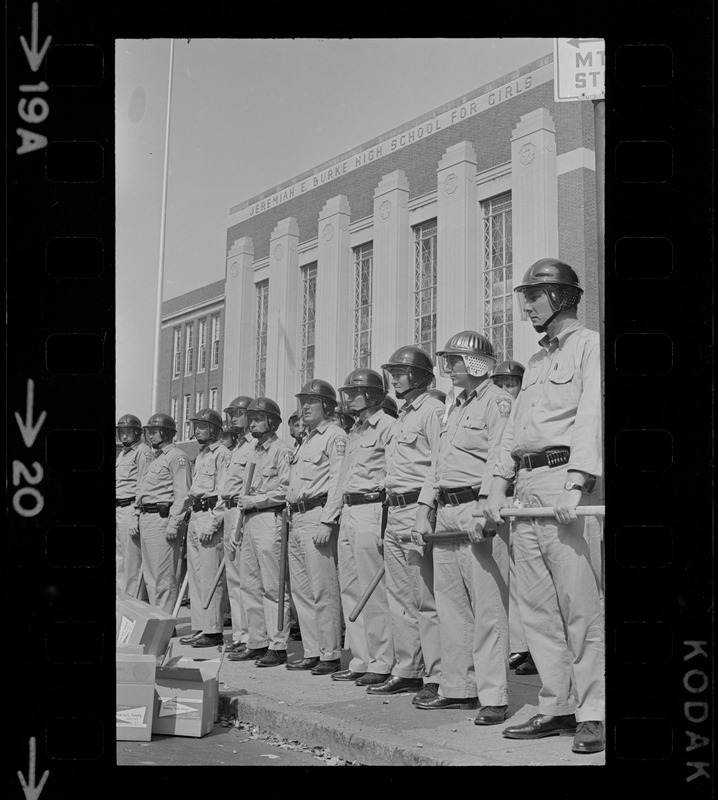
(579, 69)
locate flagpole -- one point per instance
(161, 268)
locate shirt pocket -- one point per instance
(205, 477)
(471, 436)
(562, 388)
(407, 440)
(311, 465)
(124, 470)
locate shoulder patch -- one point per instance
(504, 405)
(288, 456)
(181, 461)
(341, 445)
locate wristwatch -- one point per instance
(569, 486)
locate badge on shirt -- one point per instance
(288, 456)
(181, 461)
(341, 445)
(504, 405)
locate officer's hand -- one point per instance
(232, 544)
(565, 507)
(206, 535)
(422, 525)
(321, 537)
(494, 503)
(245, 501)
(135, 526)
(171, 534)
(483, 528)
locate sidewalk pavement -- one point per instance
(355, 726)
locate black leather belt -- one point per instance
(163, 509)
(552, 457)
(128, 501)
(360, 499)
(304, 505)
(457, 496)
(402, 500)
(275, 509)
(230, 502)
(204, 504)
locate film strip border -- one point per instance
(658, 378)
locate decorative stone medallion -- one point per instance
(450, 183)
(385, 210)
(234, 269)
(278, 252)
(527, 153)
(328, 232)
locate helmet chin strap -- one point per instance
(544, 325)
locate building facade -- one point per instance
(410, 238)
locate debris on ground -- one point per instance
(251, 731)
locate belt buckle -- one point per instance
(347, 499)
(301, 507)
(453, 498)
(527, 461)
(400, 500)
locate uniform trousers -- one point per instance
(159, 561)
(128, 553)
(472, 597)
(240, 628)
(315, 587)
(410, 596)
(259, 571)
(203, 560)
(560, 601)
(360, 557)
(517, 637)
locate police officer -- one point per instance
(470, 575)
(554, 433)
(296, 430)
(508, 375)
(231, 489)
(359, 546)
(131, 465)
(314, 499)
(205, 529)
(229, 438)
(263, 503)
(412, 445)
(343, 417)
(160, 505)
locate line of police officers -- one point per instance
(362, 495)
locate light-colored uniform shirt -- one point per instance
(559, 404)
(130, 467)
(208, 473)
(167, 480)
(470, 441)
(272, 460)
(413, 445)
(364, 465)
(316, 469)
(234, 474)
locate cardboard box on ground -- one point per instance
(158, 692)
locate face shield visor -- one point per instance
(475, 366)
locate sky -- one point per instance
(246, 115)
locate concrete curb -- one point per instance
(346, 739)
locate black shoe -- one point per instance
(272, 658)
(208, 640)
(185, 602)
(189, 639)
(429, 692)
(327, 667)
(347, 675)
(372, 678)
(248, 654)
(589, 737)
(516, 659)
(236, 647)
(396, 685)
(295, 635)
(448, 702)
(527, 668)
(491, 715)
(542, 725)
(305, 663)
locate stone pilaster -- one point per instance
(457, 295)
(238, 336)
(335, 295)
(534, 209)
(392, 292)
(283, 347)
